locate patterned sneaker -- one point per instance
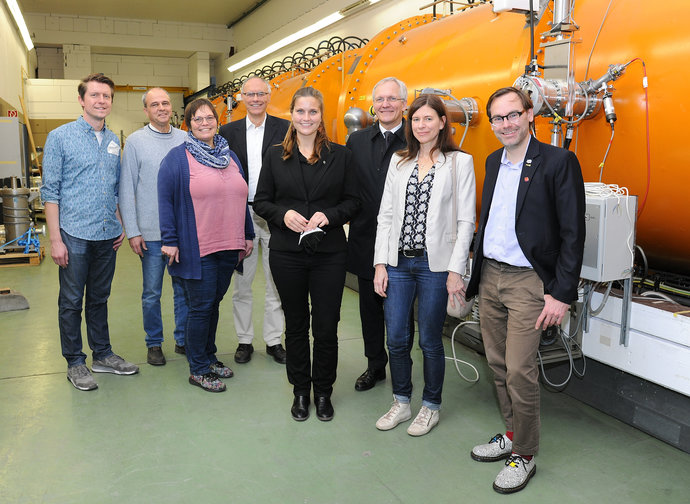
(425, 420)
(498, 448)
(221, 370)
(209, 382)
(81, 377)
(515, 475)
(114, 364)
(399, 412)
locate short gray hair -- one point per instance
(268, 85)
(401, 85)
(146, 93)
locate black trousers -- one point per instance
(319, 279)
(373, 326)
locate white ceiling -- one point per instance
(204, 11)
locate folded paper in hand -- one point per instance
(309, 240)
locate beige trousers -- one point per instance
(510, 301)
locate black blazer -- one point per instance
(281, 188)
(371, 159)
(235, 133)
(549, 218)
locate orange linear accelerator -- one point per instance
(474, 52)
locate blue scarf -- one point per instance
(216, 157)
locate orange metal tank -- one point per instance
(474, 52)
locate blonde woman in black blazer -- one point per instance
(307, 191)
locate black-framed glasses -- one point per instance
(513, 117)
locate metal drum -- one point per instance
(15, 210)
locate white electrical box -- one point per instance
(610, 237)
(515, 5)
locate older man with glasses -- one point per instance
(250, 138)
(372, 149)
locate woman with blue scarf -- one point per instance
(206, 231)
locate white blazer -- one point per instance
(444, 254)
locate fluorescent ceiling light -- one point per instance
(328, 20)
(19, 19)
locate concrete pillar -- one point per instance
(199, 71)
(77, 61)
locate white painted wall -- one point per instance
(57, 99)
(126, 70)
(136, 34)
(13, 56)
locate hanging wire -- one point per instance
(299, 62)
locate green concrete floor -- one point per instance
(153, 438)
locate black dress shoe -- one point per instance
(300, 408)
(324, 408)
(278, 352)
(243, 354)
(368, 379)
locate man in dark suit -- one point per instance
(527, 260)
(250, 138)
(372, 149)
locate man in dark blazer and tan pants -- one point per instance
(372, 149)
(526, 268)
(250, 138)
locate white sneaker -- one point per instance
(425, 420)
(399, 412)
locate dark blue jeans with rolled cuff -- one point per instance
(410, 278)
(85, 281)
(203, 298)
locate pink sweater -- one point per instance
(219, 198)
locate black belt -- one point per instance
(412, 252)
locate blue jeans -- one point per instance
(90, 267)
(153, 268)
(203, 299)
(411, 278)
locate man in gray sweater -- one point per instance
(143, 152)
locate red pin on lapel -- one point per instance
(526, 179)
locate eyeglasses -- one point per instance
(202, 120)
(392, 99)
(513, 117)
(260, 94)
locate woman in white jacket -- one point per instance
(422, 245)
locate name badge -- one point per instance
(113, 148)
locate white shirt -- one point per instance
(255, 140)
(500, 240)
(392, 130)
